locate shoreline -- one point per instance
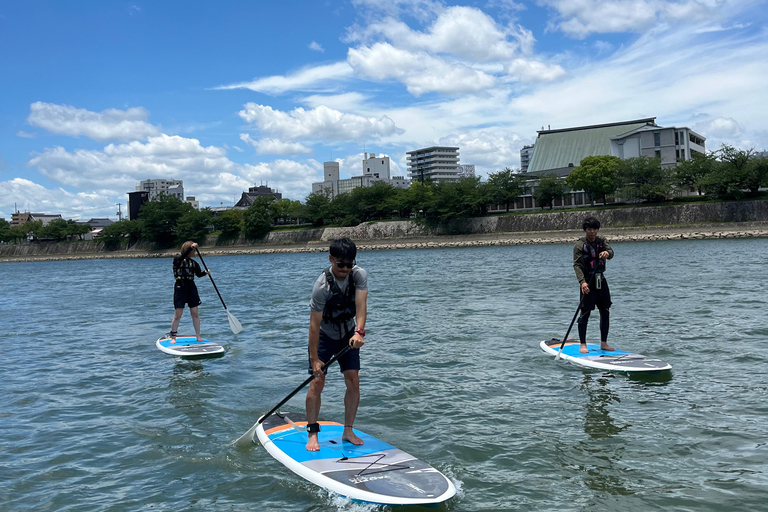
(613, 234)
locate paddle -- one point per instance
(233, 323)
(247, 438)
(581, 300)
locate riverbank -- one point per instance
(613, 234)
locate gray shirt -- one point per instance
(321, 292)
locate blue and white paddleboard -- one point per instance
(375, 472)
(616, 360)
(188, 346)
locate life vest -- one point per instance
(590, 256)
(184, 269)
(340, 307)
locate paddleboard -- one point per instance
(616, 360)
(375, 472)
(188, 346)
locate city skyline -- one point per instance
(98, 96)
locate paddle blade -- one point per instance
(246, 440)
(233, 323)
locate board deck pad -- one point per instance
(615, 360)
(375, 472)
(188, 346)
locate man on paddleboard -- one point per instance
(589, 255)
(337, 318)
(184, 289)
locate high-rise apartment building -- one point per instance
(436, 163)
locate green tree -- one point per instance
(690, 173)
(229, 222)
(316, 207)
(549, 188)
(504, 187)
(731, 176)
(283, 209)
(643, 178)
(160, 218)
(256, 220)
(56, 230)
(5, 230)
(757, 174)
(193, 225)
(595, 175)
(457, 199)
(119, 233)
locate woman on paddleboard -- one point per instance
(184, 289)
(589, 255)
(337, 316)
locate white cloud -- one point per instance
(110, 124)
(25, 135)
(307, 79)
(490, 151)
(316, 47)
(276, 146)
(32, 197)
(321, 123)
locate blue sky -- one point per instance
(98, 95)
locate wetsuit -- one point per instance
(184, 289)
(589, 269)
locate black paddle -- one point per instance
(581, 300)
(234, 324)
(247, 438)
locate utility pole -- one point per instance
(119, 212)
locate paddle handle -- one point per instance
(309, 379)
(209, 275)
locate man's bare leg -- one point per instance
(313, 410)
(351, 402)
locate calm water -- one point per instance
(95, 418)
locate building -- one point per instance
(191, 200)
(173, 188)
(467, 171)
(375, 169)
(525, 157)
(19, 218)
(436, 163)
(248, 198)
(559, 149)
(135, 200)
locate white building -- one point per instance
(174, 188)
(525, 157)
(375, 169)
(437, 163)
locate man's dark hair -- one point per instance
(344, 249)
(591, 222)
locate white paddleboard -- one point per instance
(375, 472)
(616, 360)
(188, 346)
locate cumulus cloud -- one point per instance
(490, 151)
(276, 146)
(307, 79)
(724, 128)
(316, 47)
(110, 124)
(30, 196)
(320, 123)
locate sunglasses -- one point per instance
(344, 264)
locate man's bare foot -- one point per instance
(604, 346)
(583, 348)
(313, 445)
(350, 437)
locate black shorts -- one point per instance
(185, 292)
(328, 346)
(600, 298)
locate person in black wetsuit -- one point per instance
(184, 289)
(589, 256)
(338, 311)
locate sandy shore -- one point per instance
(614, 235)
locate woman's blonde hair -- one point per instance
(186, 247)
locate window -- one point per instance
(658, 154)
(656, 139)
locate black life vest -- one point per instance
(340, 307)
(183, 269)
(590, 256)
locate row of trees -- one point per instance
(56, 230)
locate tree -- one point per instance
(256, 220)
(549, 189)
(730, 177)
(193, 225)
(5, 230)
(595, 175)
(457, 199)
(505, 186)
(690, 173)
(160, 217)
(282, 209)
(757, 174)
(643, 178)
(229, 222)
(316, 207)
(114, 235)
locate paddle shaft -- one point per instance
(209, 275)
(309, 379)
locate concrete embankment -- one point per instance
(745, 219)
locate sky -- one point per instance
(97, 95)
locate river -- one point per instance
(95, 418)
